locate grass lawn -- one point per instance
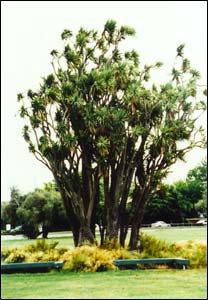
(177, 234)
(126, 284)
(64, 241)
(169, 235)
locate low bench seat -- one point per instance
(31, 267)
(144, 261)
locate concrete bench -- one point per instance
(148, 261)
(31, 267)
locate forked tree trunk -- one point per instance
(79, 221)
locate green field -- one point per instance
(169, 235)
(179, 234)
(126, 284)
(64, 241)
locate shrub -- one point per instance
(41, 245)
(122, 253)
(40, 251)
(96, 259)
(152, 247)
(89, 259)
(112, 244)
(195, 252)
(5, 253)
(16, 256)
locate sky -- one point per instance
(31, 29)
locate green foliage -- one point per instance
(110, 26)
(9, 209)
(199, 173)
(41, 208)
(66, 34)
(126, 30)
(180, 50)
(183, 199)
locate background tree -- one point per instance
(164, 205)
(181, 200)
(198, 177)
(36, 212)
(4, 217)
(201, 205)
(9, 214)
(98, 117)
(59, 219)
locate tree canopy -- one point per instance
(97, 117)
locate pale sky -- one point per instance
(31, 29)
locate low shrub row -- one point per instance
(91, 258)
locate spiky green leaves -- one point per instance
(31, 147)
(126, 30)
(110, 26)
(35, 121)
(20, 97)
(103, 145)
(49, 80)
(52, 94)
(67, 89)
(31, 94)
(159, 64)
(66, 34)
(71, 56)
(82, 37)
(54, 53)
(37, 105)
(132, 56)
(176, 75)
(25, 133)
(180, 50)
(195, 74)
(23, 111)
(185, 65)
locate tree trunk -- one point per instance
(44, 231)
(85, 235)
(76, 208)
(123, 214)
(111, 215)
(140, 198)
(134, 238)
(112, 224)
(102, 234)
(73, 220)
